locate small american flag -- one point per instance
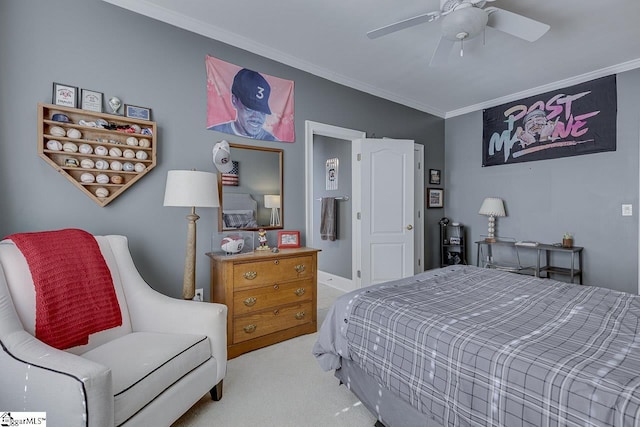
(231, 178)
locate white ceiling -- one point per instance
(587, 39)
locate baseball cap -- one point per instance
(61, 118)
(252, 90)
(222, 157)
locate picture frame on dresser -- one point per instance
(288, 239)
(65, 95)
(91, 100)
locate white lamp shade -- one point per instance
(492, 206)
(191, 189)
(271, 201)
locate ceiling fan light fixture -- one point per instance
(469, 20)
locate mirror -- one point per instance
(251, 194)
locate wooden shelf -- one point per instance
(65, 161)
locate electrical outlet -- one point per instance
(199, 296)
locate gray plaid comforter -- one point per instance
(479, 347)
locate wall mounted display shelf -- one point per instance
(101, 162)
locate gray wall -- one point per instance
(544, 199)
(98, 46)
(336, 255)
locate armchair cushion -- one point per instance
(145, 363)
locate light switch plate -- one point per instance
(627, 210)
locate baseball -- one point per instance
(74, 133)
(139, 167)
(57, 131)
(87, 177)
(87, 164)
(129, 154)
(136, 128)
(102, 164)
(54, 145)
(85, 149)
(144, 143)
(70, 147)
(102, 192)
(127, 167)
(116, 179)
(141, 155)
(132, 140)
(102, 178)
(101, 151)
(115, 152)
(116, 166)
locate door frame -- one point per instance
(315, 128)
(312, 129)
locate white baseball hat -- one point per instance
(222, 157)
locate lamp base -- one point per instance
(490, 239)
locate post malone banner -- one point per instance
(573, 121)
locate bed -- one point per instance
(468, 346)
(240, 210)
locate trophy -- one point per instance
(114, 104)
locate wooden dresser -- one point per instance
(271, 297)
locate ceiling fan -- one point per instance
(465, 19)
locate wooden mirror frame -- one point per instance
(280, 153)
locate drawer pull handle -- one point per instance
(276, 261)
(300, 291)
(250, 275)
(276, 287)
(249, 302)
(276, 311)
(300, 268)
(300, 315)
(249, 328)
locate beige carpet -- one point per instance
(281, 385)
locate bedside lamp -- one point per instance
(191, 189)
(272, 202)
(492, 207)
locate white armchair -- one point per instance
(165, 356)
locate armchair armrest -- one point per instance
(152, 311)
(73, 387)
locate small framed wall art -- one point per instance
(435, 198)
(288, 239)
(65, 95)
(434, 176)
(91, 100)
(134, 112)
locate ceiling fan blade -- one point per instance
(515, 24)
(401, 25)
(441, 54)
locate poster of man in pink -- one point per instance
(247, 103)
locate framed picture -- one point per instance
(288, 239)
(91, 100)
(435, 198)
(434, 176)
(134, 112)
(65, 95)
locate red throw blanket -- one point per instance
(75, 296)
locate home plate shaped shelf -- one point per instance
(101, 154)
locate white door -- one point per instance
(383, 217)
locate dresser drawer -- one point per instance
(257, 299)
(254, 274)
(269, 321)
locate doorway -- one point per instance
(317, 133)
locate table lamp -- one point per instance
(492, 207)
(272, 202)
(191, 188)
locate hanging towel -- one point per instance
(328, 219)
(75, 296)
